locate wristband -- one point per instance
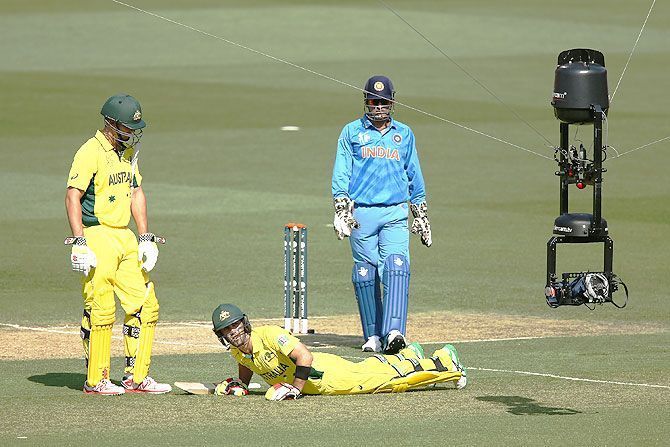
(302, 372)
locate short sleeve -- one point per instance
(281, 339)
(84, 166)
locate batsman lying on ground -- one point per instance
(292, 370)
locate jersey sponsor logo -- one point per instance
(119, 177)
(397, 138)
(379, 152)
(74, 176)
(282, 340)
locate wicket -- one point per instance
(295, 278)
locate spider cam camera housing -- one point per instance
(580, 97)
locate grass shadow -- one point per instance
(74, 381)
(523, 406)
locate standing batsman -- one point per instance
(104, 189)
(376, 173)
(292, 370)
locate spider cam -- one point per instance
(580, 97)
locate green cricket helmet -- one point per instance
(226, 315)
(125, 110)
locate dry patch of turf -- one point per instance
(20, 343)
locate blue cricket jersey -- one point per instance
(377, 169)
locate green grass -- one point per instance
(222, 179)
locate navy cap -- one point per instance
(379, 86)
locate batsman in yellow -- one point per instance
(292, 370)
(104, 189)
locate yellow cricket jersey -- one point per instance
(105, 178)
(270, 358)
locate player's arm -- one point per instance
(73, 208)
(344, 161)
(138, 207)
(303, 364)
(244, 374)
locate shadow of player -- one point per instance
(525, 406)
(74, 381)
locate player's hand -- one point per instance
(147, 251)
(344, 221)
(231, 386)
(82, 257)
(282, 391)
(421, 224)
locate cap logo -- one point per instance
(379, 86)
(137, 116)
(224, 314)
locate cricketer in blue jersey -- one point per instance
(376, 173)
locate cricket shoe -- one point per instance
(395, 341)
(372, 345)
(148, 385)
(105, 388)
(453, 356)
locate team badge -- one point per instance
(223, 315)
(269, 355)
(379, 86)
(137, 116)
(282, 340)
(397, 138)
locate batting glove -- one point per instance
(344, 221)
(231, 386)
(147, 250)
(82, 257)
(282, 391)
(421, 224)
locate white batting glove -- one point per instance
(147, 251)
(421, 224)
(344, 221)
(82, 257)
(282, 391)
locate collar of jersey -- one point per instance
(104, 142)
(368, 124)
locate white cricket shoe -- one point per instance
(395, 341)
(373, 344)
(148, 385)
(105, 388)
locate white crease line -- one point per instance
(576, 379)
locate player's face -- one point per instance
(235, 334)
(378, 109)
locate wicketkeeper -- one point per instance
(104, 189)
(292, 370)
(376, 174)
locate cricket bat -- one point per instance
(205, 388)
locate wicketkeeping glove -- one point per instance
(421, 224)
(231, 386)
(82, 257)
(147, 250)
(282, 391)
(344, 221)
